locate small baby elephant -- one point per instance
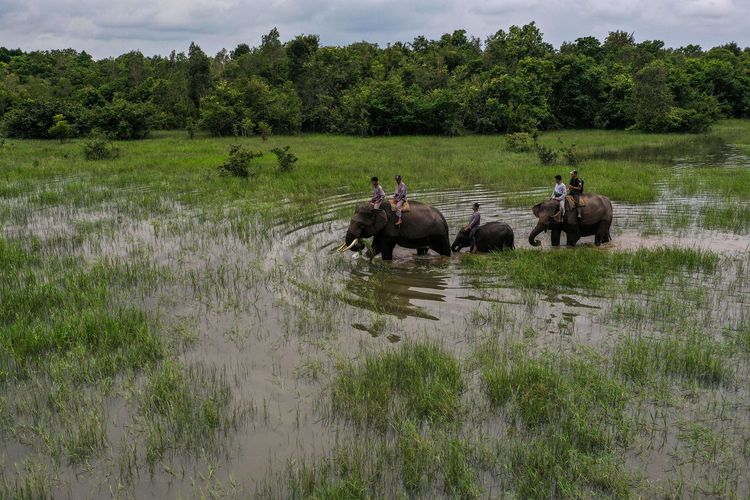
(490, 237)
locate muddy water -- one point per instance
(270, 314)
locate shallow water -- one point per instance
(269, 312)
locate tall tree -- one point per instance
(199, 74)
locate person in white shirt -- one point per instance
(559, 194)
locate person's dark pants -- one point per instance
(577, 196)
(472, 236)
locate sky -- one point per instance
(111, 28)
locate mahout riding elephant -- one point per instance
(596, 219)
(423, 228)
(489, 237)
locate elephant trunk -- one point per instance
(532, 237)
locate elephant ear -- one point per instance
(535, 209)
(381, 219)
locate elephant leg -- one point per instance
(422, 251)
(572, 235)
(441, 245)
(387, 250)
(602, 233)
(555, 237)
(377, 245)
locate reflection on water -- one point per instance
(398, 289)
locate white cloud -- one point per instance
(158, 26)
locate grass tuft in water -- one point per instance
(56, 312)
(571, 414)
(694, 357)
(417, 380)
(185, 409)
(592, 269)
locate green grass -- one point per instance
(727, 217)
(185, 170)
(55, 314)
(592, 269)
(185, 410)
(572, 416)
(416, 380)
(694, 357)
(412, 461)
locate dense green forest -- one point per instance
(513, 81)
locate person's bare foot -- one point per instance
(398, 222)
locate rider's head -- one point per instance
(558, 178)
(374, 181)
(398, 178)
(476, 206)
(574, 174)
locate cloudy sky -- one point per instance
(106, 28)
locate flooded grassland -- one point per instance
(169, 332)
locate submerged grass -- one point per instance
(185, 409)
(413, 461)
(420, 381)
(57, 315)
(727, 217)
(694, 357)
(570, 414)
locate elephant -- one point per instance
(423, 228)
(491, 236)
(596, 220)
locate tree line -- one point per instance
(513, 81)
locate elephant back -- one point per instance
(421, 221)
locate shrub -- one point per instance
(285, 158)
(547, 156)
(264, 129)
(98, 147)
(190, 128)
(520, 142)
(571, 156)
(61, 129)
(238, 163)
(245, 128)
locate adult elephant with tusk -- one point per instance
(596, 219)
(423, 228)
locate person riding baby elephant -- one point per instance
(472, 227)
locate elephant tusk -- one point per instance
(341, 248)
(352, 245)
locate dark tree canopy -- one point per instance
(456, 84)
